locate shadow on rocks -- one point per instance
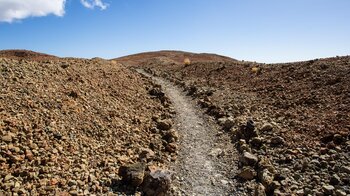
(135, 178)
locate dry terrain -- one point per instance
(291, 120)
(68, 125)
(173, 123)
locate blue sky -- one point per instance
(257, 30)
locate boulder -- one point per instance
(132, 174)
(157, 182)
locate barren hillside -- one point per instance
(299, 114)
(67, 126)
(171, 57)
(25, 55)
(181, 124)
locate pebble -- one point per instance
(345, 169)
(247, 173)
(334, 180)
(216, 152)
(249, 159)
(6, 138)
(277, 140)
(8, 177)
(164, 124)
(328, 189)
(266, 127)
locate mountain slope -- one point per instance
(175, 57)
(25, 55)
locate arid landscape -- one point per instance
(173, 123)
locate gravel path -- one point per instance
(199, 169)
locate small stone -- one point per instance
(249, 159)
(300, 192)
(266, 127)
(146, 154)
(53, 182)
(2, 159)
(171, 136)
(7, 138)
(247, 173)
(277, 141)
(297, 176)
(345, 169)
(14, 149)
(338, 139)
(323, 151)
(266, 177)
(157, 182)
(29, 155)
(259, 190)
(164, 124)
(216, 152)
(256, 141)
(328, 189)
(92, 178)
(340, 193)
(72, 182)
(228, 124)
(17, 185)
(323, 164)
(224, 182)
(335, 180)
(171, 147)
(274, 185)
(8, 177)
(132, 174)
(17, 158)
(73, 192)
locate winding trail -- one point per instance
(198, 170)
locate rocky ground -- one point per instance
(206, 157)
(91, 126)
(78, 127)
(290, 122)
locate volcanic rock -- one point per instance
(132, 174)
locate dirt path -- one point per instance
(206, 158)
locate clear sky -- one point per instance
(257, 30)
